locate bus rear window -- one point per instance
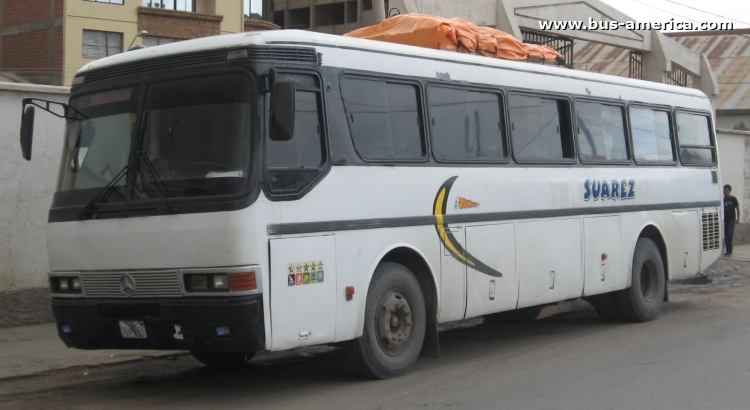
(696, 144)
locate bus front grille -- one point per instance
(711, 231)
(131, 284)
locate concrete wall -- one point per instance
(26, 190)
(737, 122)
(734, 154)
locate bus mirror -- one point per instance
(282, 103)
(27, 132)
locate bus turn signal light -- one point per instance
(240, 282)
(349, 292)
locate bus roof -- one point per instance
(293, 38)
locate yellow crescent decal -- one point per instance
(447, 238)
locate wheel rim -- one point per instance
(393, 322)
(649, 281)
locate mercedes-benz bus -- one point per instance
(272, 190)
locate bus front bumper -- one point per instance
(199, 324)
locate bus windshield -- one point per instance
(191, 140)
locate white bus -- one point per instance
(267, 191)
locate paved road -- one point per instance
(696, 355)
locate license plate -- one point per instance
(132, 329)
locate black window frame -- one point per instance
(504, 113)
(570, 122)
(174, 6)
(106, 43)
(421, 109)
(188, 205)
(325, 166)
(711, 135)
(626, 130)
(673, 137)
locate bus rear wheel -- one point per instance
(223, 359)
(642, 302)
(394, 327)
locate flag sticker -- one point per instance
(305, 273)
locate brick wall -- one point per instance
(27, 11)
(31, 27)
(16, 55)
(27, 54)
(178, 24)
(57, 54)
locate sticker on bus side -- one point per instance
(615, 190)
(305, 273)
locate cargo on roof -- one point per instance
(454, 35)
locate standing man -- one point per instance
(731, 217)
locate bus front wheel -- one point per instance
(642, 302)
(394, 326)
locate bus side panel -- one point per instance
(495, 245)
(686, 244)
(452, 281)
(549, 261)
(605, 267)
(303, 291)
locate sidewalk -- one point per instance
(28, 350)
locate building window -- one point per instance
(151, 41)
(99, 44)
(107, 1)
(179, 5)
(253, 9)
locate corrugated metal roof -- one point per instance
(728, 53)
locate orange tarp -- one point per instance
(453, 35)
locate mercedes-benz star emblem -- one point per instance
(127, 285)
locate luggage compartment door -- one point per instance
(303, 291)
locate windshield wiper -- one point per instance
(161, 188)
(103, 195)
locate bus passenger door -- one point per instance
(684, 254)
(303, 291)
(495, 246)
(549, 261)
(604, 267)
(452, 281)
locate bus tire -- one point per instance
(222, 359)
(642, 302)
(394, 325)
(606, 307)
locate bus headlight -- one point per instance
(65, 284)
(220, 282)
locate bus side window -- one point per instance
(652, 135)
(540, 128)
(696, 145)
(384, 118)
(601, 132)
(466, 125)
(292, 165)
